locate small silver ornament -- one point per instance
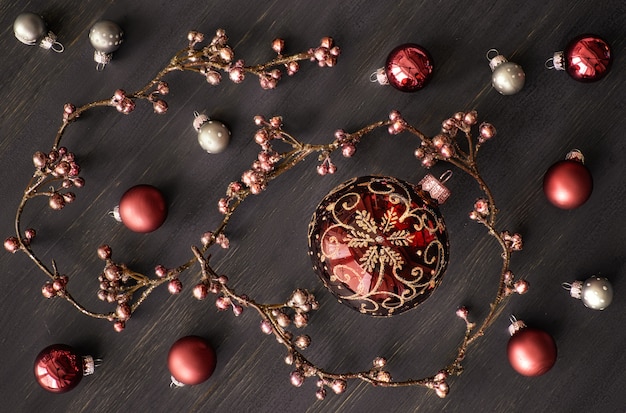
(106, 37)
(31, 29)
(508, 78)
(595, 292)
(213, 136)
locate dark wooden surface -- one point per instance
(268, 254)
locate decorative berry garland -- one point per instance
(57, 171)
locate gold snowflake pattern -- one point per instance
(379, 239)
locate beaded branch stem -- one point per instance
(58, 171)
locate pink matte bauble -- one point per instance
(409, 67)
(58, 368)
(568, 184)
(587, 58)
(191, 360)
(142, 208)
(531, 352)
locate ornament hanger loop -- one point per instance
(567, 286)
(445, 176)
(491, 53)
(57, 47)
(512, 318)
(379, 76)
(549, 64)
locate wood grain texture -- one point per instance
(268, 256)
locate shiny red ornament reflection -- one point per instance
(59, 368)
(532, 352)
(409, 67)
(587, 58)
(568, 183)
(191, 360)
(379, 245)
(142, 208)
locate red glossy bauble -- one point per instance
(531, 352)
(409, 67)
(142, 208)
(379, 244)
(191, 360)
(568, 184)
(58, 368)
(587, 58)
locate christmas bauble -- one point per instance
(142, 208)
(58, 368)
(379, 244)
(508, 78)
(191, 360)
(568, 184)
(595, 292)
(106, 36)
(29, 28)
(409, 67)
(213, 136)
(531, 352)
(586, 58)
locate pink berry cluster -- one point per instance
(326, 53)
(255, 179)
(444, 146)
(344, 141)
(218, 55)
(114, 282)
(60, 165)
(511, 242)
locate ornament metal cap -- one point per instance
(575, 155)
(379, 76)
(89, 365)
(175, 383)
(435, 187)
(496, 60)
(575, 289)
(516, 325)
(198, 120)
(556, 62)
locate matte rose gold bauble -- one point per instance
(409, 67)
(142, 208)
(379, 244)
(191, 360)
(531, 352)
(568, 184)
(58, 368)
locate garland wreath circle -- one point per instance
(57, 173)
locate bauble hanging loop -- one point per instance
(595, 292)
(508, 78)
(31, 29)
(106, 37)
(568, 183)
(59, 368)
(531, 351)
(142, 208)
(213, 136)
(409, 68)
(587, 58)
(191, 360)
